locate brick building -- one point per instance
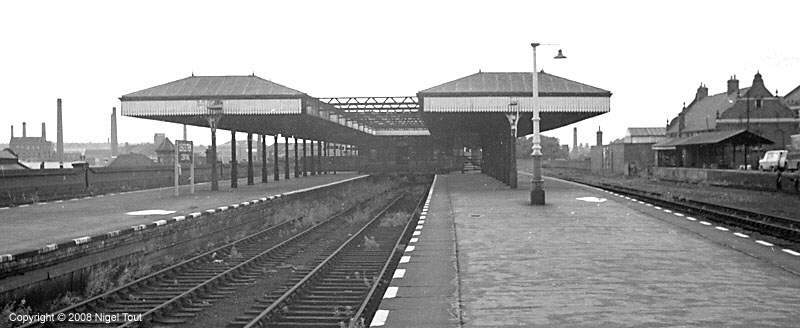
(713, 129)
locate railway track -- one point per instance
(780, 227)
(176, 294)
(344, 288)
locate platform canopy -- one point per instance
(253, 104)
(473, 103)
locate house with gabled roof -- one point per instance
(751, 120)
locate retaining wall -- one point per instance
(45, 273)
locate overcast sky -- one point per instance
(651, 55)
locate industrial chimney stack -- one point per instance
(114, 131)
(24, 128)
(59, 133)
(44, 133)
(599, 137)
(574, 139)
(12, 131)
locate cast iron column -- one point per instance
(264, 172)
(305, 161)
(234, 173)
(286, 157)
(313, 161)
(319, 157)
(249, 158)
(276, 175)
(296, 167)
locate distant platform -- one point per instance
(30, 227)
(484, 258)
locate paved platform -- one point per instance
(33, 226)
(586, 259)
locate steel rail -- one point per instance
(194, 260)
(233, 269)
(780, 227)
(365, 313)
(267, 313)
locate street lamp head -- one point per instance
(560, 55)
(535, 44)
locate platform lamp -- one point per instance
(213, 115)
(537, 192)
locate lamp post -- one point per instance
(537, 193)
(213, 114)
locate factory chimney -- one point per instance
(575, 139)
(114, 131)
(44, 133)
(59, 133)
(12, 131)
(599, 137)
(24, 132)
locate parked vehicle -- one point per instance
(780, 160)
(773, 160)
(793, 161)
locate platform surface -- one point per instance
(31, 227)
(605, 261)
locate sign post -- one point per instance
(184, 155)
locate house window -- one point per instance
(758, 103)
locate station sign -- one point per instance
(185, 150)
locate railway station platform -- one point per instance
(484, 258)
(32, 226)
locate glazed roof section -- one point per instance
(514, 83)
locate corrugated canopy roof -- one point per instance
(739, 137)
(222, 87)
(515, 83)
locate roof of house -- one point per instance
(165, 146)
(131, 160)
(701, 115)
(222, 87)
(8, 154)
(770, 108)
(646, 132)
(513, 83)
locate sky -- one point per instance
(652, 55)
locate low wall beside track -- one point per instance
(45, 273)
(769, 181)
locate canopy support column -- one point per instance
(264, 172)
(286, 157)
(234, 162)
(275, 174)
(249, 158)
(313, 161)
(296, 167)
(305, 160)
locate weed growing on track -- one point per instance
(394, 219)
(20, 309)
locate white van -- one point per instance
(773, 160)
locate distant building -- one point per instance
(632, 154)
(728, 129)
(10, 161)
(31, 148)
(131, 160)
(165, 152)
(644, 135)
(792, 99)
